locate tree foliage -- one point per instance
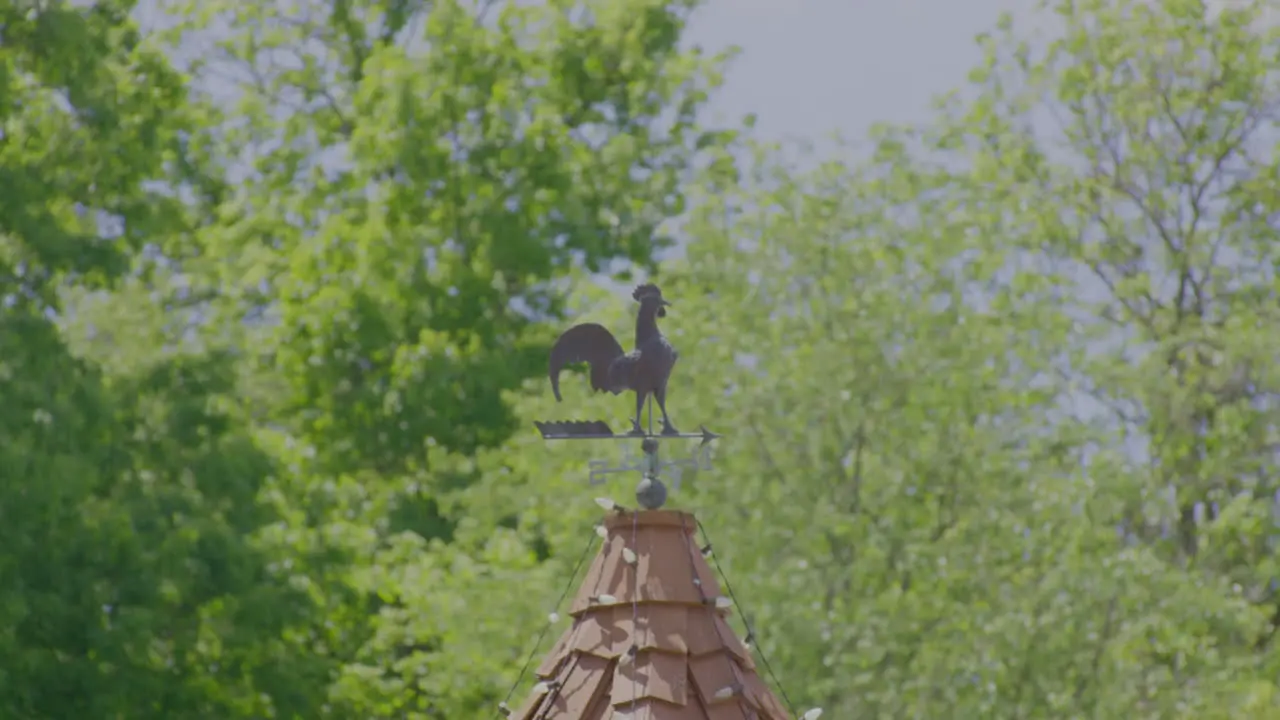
(277, 283)
(999, 429)
(421, 177)
(129, 587)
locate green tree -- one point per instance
(999, 437)
(1074, 509)
(420, 180)
(387, 199)
(997, 400)
(129, 590)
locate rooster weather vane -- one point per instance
(645, 371)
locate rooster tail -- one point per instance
(590, 343)
(555, 384)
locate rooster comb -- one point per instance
(646, 290)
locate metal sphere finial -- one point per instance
(651, 494)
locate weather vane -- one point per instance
(645, 371)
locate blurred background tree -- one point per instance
(278, 284)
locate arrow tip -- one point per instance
(707, 435)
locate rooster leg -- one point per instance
(661, 395)
(635, 424)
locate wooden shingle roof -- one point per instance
(649, 638)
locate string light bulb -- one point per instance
(729, 691)
(630, 656)
(553, 618)
(629, 555)
(606, 503)
(545, 687)
(813, 714)
(603, 600)
(603, 532)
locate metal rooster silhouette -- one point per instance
(644, 370)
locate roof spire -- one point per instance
(650, 637)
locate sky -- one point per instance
(812, 68)
(809, 68)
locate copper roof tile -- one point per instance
(649, 710)
(666, 558)
(652, 675)
(610, 631)
(712, 673)
(554, 659)
(655, 647)
(731, 712)
(579, 685)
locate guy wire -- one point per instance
(751, 633)
(542, 635)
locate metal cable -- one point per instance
(745, 621)
(545, 706)
(702, 594)
(542, 635)
(635, 608)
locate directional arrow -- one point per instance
(599, 430)
(706, 435)
(649, 465)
